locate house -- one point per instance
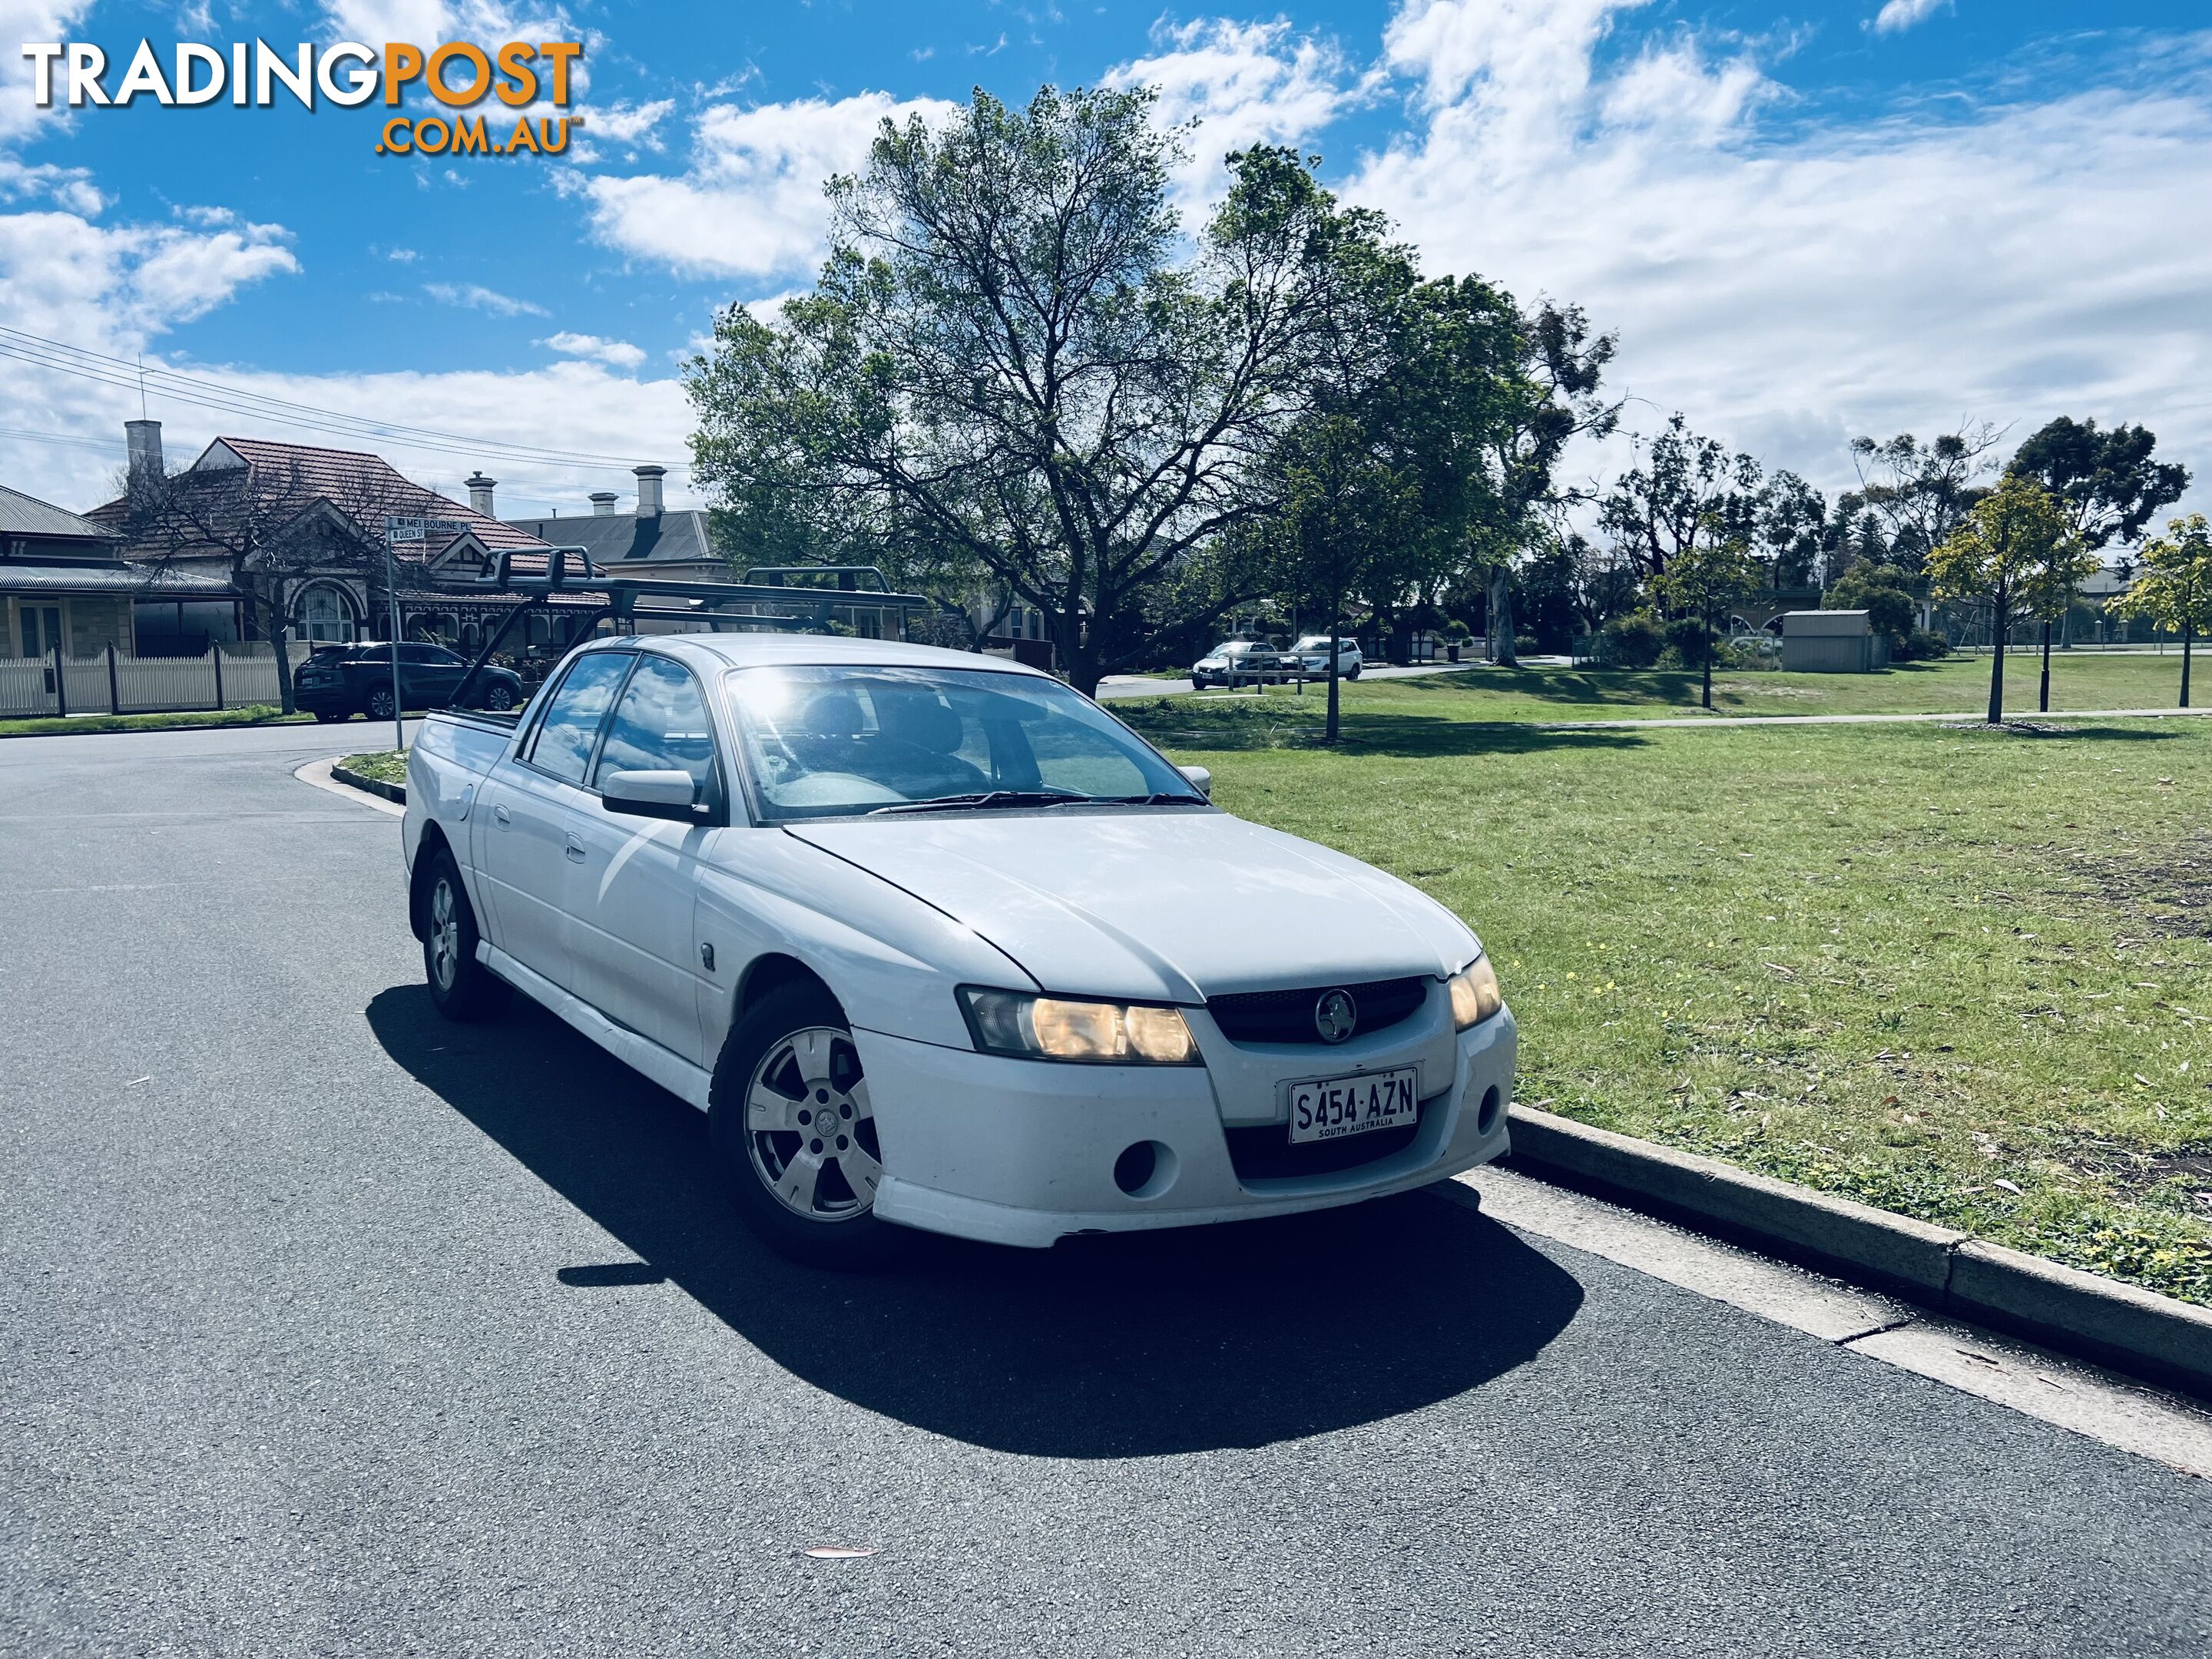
(65, 584)
(302, 527)
(650, 540)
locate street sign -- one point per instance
(401, 528)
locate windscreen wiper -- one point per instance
(1161, 798)
(984, 798)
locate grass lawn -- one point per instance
(1962, 974)
(77, 725)
(1958, 684)
(385, 765)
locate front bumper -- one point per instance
(1022, 1152)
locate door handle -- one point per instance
(499, 817)
(575, 850)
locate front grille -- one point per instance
(1265, 1152)
(1288, 1016)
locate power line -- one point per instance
(101, 369)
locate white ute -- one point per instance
(936, 941)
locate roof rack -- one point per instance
(768, 606)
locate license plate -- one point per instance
(1331, 1107)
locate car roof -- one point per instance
(708, 651)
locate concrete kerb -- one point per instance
(2154, 1337)
(391, 792)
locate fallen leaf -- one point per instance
(2009, 1188)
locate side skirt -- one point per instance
(671, 1072)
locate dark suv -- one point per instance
(340, 681)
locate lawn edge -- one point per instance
(93, 731)
(367, 785)
(2158, 1338)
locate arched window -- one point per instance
(323, 613)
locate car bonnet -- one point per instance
(1155, 903)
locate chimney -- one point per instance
(480, 489)
(142, 439)
(603, 503)
(648, 490)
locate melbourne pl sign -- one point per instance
(459, 74)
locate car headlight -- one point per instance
(1077, 1028)
(1474, 994)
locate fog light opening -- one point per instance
(1493, 1108)
(1145, 1168)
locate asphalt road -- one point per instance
(325, 1327)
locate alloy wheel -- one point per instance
(810, 1129)
(445, 934)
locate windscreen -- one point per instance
(825, 742)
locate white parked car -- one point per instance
(937, 942)
(1313, 649)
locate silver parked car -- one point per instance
(1241, 661)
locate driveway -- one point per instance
(326, 1326)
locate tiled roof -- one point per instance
(20, 578)
(360, 486)
(26, 515)
(614, 539)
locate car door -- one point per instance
(433, 678)
(639, 882)
(531, 855)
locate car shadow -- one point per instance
(1134, 1345)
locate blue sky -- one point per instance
(1805, 220)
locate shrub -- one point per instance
(1921, 645)
(1633, 642)
(1524, 645)
(1458, 633)
(1881, 592)
(1693, 641)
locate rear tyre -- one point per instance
(463, 988)
(1351, 673)
(795, 1132)
(378, 707)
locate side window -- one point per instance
(660, 725)
(563, 744)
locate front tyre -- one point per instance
(499, 699)
(796, 1135)
(463, 988)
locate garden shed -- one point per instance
(1832, 642)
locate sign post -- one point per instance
(400, 528)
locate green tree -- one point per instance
(1012, 351)
(1917, 493)
(2173, 589)
(1688, 494)
(1534, 390)
(1998, 557)
(2108, 485)
(1880, 592)
(1702, 581)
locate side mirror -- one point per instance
(670, 795)
(1200, 779)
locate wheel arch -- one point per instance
(433, 842)
(770, 972)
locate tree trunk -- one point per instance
(1335, 623)
(1705, 660)
(1078, 660)
(2188, 637)
(2043, 697)
(1501, 617)
(1999, 632)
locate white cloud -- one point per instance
(1790, 289)
(1241, 84)
(1899, 14)
(749, 203)
(616, 354)
(474, 296)
(628, 123)
(20, 22)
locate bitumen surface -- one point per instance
(326, 1327)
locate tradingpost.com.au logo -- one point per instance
(458, 74)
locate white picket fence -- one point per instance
(226, 677)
